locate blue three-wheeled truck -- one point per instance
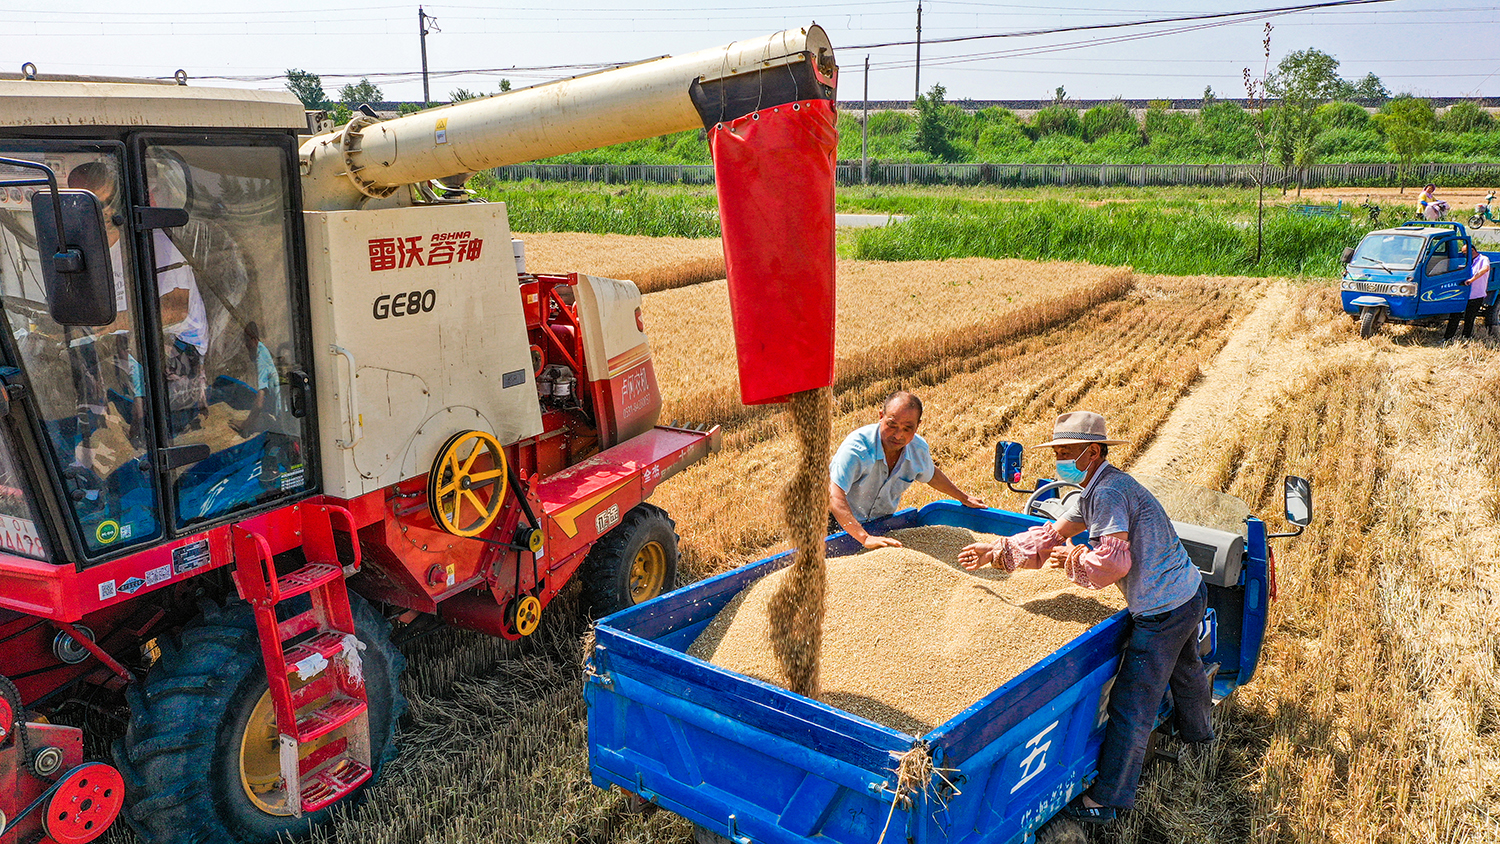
(747, 761)
(1415, 272)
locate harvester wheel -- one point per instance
(631, 564)
(193, 726)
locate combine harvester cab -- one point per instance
(352, 385)
(747, 761)
(1413, 273)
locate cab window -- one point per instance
(228, 307)
(88, 382)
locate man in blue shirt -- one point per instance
(875, 465)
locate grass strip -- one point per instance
(1147, 237)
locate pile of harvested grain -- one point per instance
(795, 611)
(909, 638)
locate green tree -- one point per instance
(1209, 97)
(1302, 81)
(1407, 123)
(356, 94)
(935, 123)
(308, 87)
(408, 108)
(1371, 88)
(1059, 95)
(458, 95)
(504, 85)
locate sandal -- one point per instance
(1096, 815)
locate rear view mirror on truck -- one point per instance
(75, 269)
(1348, 255)
(1008, 462)
(1298, 501)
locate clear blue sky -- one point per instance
(1428, 47)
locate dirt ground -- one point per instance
(1458, 199)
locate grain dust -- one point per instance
(795, 611)
(909, 638)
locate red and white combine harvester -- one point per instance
(266, 391)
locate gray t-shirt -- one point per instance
(1161, 575)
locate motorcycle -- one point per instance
(1372, 209)
(1482, 212)
(1437, 209)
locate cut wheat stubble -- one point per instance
(909, 638)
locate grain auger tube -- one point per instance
(373, 159)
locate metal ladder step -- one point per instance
(328, 785)
(337, 712)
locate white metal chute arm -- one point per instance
(372, 158)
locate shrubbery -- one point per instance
(1220, 132)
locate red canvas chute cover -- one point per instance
(775, 171)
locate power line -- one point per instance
(1283, 10)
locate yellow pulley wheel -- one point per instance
(466, 486)
(528, 614)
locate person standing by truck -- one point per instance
(1136, 548)
(1479, 283)
(874, 466)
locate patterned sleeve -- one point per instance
(1100, 566)
(1026, 550)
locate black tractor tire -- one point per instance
(1369, 323)
(609, 572)
(180, 754)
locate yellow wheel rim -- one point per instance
(260, 759)
(528, 615)
(648, 573)
(466, 486)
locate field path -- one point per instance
(1238, 383)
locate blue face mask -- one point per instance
(1067, 470)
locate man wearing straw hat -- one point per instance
(1136, 548)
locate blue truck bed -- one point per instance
(752, 762)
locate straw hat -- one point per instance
(1080, 426)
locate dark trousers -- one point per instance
(1162, 652)
(1467, 316)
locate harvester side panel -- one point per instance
(419, 333)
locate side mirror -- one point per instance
(1298, 505)
(1298, 501)
(74, 252)
(1348, 255)
(1008, 462)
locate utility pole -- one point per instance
(422, 20)
(919, 53)
(864, 131)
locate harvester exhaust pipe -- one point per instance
(373, 159)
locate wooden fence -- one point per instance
(1034, 175)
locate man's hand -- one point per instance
(976, 556)
(1059, 556)
(972, 501)
(873, 542)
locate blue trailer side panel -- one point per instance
(754, 762)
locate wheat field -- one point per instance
(1375, 715)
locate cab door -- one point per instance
(1444, 288)
(228, 330)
